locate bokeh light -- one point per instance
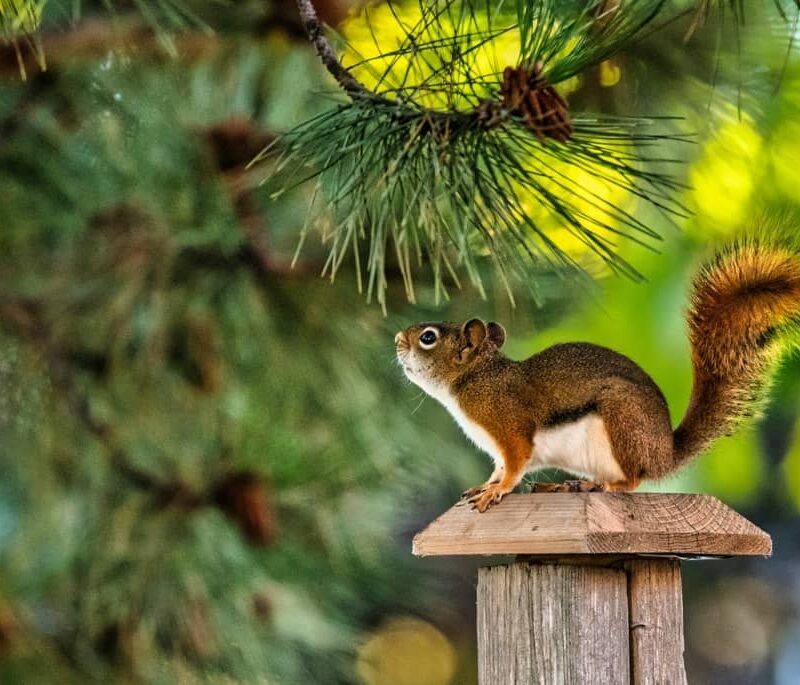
(736, 623)
(406, 651)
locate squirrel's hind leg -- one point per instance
(570, 486)
(586, 486)
(627, 485)
(637, 423)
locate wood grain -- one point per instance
(656, 621)
(549, 623)
(595, 523)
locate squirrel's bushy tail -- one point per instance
(744, 310)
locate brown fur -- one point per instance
(740, 303)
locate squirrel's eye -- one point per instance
(428, 338)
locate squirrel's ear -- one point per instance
(474, 331)
(496, 333)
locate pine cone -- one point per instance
(235, 142)
(262, 607)
(243, 498)
(8, 629)
(526, 94)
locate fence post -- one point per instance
(594, 594)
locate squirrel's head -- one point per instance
(434, 354)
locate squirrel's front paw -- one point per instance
(489, 495)
(477, 490)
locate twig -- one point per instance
(325, 51)
(93, 39)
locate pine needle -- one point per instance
(412, 165)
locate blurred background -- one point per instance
(211, 465)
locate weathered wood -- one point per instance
(581, 604)
(551, 623)
(656, 621)
(595, 523)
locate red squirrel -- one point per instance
(595, 413)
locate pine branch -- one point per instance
(704, 9)
(234, 143)
(94, 38)
(448, 153)
(239, 494)
(127, 32)
(325, 51)
(23, 317)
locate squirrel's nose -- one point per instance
(398, 338)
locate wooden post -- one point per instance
(594, 595)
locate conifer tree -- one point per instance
(207, 450)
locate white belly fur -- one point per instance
(472, 430)
(581, 447)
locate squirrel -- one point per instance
(595, 413)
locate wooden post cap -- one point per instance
(595, 523)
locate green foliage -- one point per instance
(568, 43)
(177, 363)
(18, 17)
(211, 462)
(412, 169)
(446, 191)
(430, 165)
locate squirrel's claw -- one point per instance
(490, 494)
(471, 492)
(478, 489)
